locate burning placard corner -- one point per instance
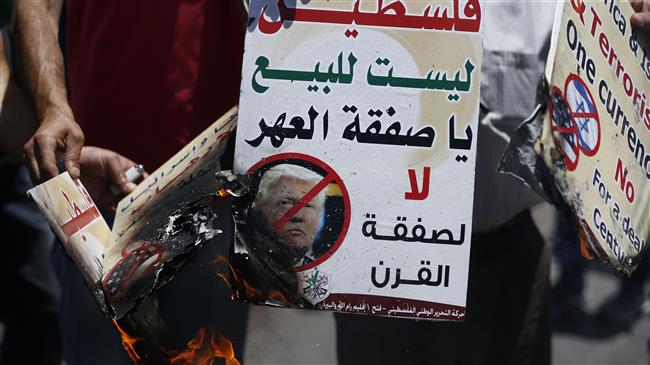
(587, 149)
(156, 228)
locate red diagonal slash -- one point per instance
(584, 115)
(303, 201)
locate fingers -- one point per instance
(116, 176)
(45, 147)
(57, 134)
(637, 5)
(30, 161)
(73, 144)
(641, 20)
(115, 171)
(130, 187)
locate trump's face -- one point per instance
(299, 230)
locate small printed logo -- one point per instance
(315, 285)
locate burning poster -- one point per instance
(592, 130)
(358, 134)
(155, 228)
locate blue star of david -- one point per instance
(584, 122)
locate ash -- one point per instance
(190, 225)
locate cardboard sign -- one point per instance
(596, 132)
(358, 124)
(156, 227)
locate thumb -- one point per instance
(115, 173)
(640, 20)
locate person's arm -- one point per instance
(40, 68)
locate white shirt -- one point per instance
(516, 40)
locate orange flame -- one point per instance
(584, 243)
(249, 292)
(222, 261)
(221, 193)
(584, 248)
(128, 342)
(204, 348)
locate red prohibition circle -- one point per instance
(592, 152)
(573, 130)
(333, 177)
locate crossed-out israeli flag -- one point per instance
(564, 129)
(585, 115)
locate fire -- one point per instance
(584, 243)
(249, 292)
(584, 248)
(128, 342)
(220, 260)
(221, 193)
(204, 348)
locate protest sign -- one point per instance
(358, 124)
(595, 138)
(156, 227)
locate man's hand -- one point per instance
(641, 20)
(58, 134)
(40, 70)
(101, 168)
